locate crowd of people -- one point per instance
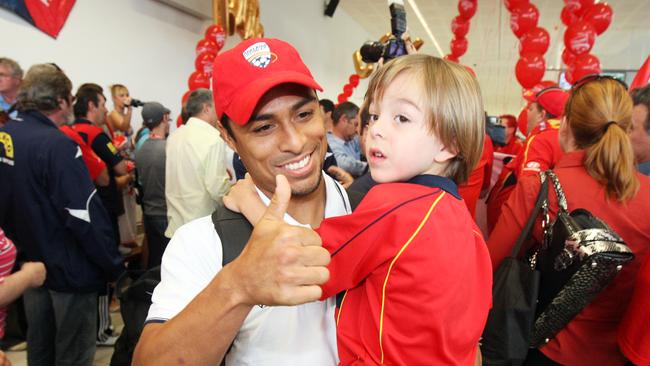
(360, 242)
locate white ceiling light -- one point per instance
(426, 26)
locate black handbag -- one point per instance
(505, 338)
(580, 256)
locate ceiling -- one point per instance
(493, 48)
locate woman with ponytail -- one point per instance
(597, 173)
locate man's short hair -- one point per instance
(197, 99)
(642, 96)
(42, 88)
(328, 105)
(16, 71)
(348, 109)
(88, 92)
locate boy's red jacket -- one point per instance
(418, 273)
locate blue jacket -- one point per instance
(50, 208)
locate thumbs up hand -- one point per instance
(281, 264)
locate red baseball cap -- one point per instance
(552, 99)
(243, 74)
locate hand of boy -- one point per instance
(243, 198)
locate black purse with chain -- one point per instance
(580, 256)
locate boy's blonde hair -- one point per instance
(454, 106)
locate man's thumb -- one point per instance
(280, 200)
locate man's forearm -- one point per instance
(200, 334)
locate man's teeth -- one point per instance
(300, 164)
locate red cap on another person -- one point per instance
(553, 100)
(242, 75)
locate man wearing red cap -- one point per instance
(265, 100)
(541, 150)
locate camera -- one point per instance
(372, 51)
(495, 130)
(136, 103)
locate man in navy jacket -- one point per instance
(51, 210)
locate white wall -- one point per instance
(149, 46)
(143, 44)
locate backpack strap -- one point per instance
(233, 230)
(542, 198)
(355, 198)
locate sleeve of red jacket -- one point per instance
(514, 214)
(361, 241)
(541, 153)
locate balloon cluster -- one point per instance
(584, 20)
(533, 43)
(460, 28)
(348, 88)
(206, 51)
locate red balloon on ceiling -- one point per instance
(197, 80)
(206, 45)
(530, 69)
(511, 4)
(450, 57)
(204, 62)
(216, 33)
(523, 18)
(354, 80)
(578, 7)
(580, 37)
(459, 27)
(600, 16)
(535, 40)
(458, 47)
(467, 8)
(567, 16)
(584, 65)
(568, 57)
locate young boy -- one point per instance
(414, 266)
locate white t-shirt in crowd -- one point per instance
(271, 335)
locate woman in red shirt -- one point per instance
(597, 173)
(513, 144)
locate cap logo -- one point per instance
(259, 55)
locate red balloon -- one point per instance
(216, 33)
(458, 47)
(179, 121)
(204, 62)
(568, 16)
(535, 40)
(530, 69)
(600, 16)
(471, 71)
(578, 7)
(185, 96)
(206, 45)
(354, 80)
(450, 57)
(523, 18)
(568, 57)
(522, 120)
(584, 65)
(511, 4)
(580, 37)
(348, 89)
(466, 9)
(459, 27)
(197, 80)
(342, 98)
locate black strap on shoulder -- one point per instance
(523, 236)
(233, 230)
(355, 198)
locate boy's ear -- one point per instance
(445, 154)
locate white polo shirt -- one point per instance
(272, 335)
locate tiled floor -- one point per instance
(102, 356)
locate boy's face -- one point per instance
(399, 145)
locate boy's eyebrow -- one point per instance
(407, 101)
(295, 107)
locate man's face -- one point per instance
(97, 113)
(535, 115)
(639, 135)
(285, 135)
(350, 126)
(8, 82)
